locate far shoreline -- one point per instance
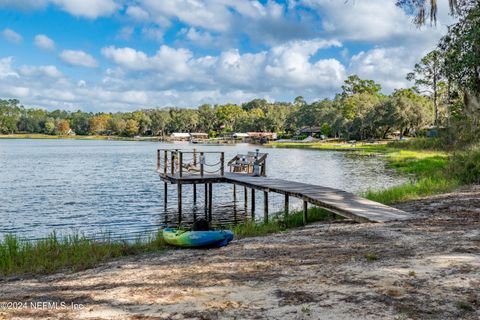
(39, 136)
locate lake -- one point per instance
(97, 187)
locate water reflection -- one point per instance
(94, 187)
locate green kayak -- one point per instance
(192, 239)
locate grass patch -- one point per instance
(279, 223)
(439, 144)
(73, 253)
(76, 253)
(333, 146)
(413, 190)
(424, 160)
(371, 257)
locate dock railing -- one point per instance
(190, 162)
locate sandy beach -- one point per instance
(425, 268)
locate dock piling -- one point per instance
(206, 201)
(305, 212)
(202, 163)
(165, 195)
(222, 164)
(210, 192)
(179, 190)
(253, 204)
(195, 193)
(286, 206)
(265, 206)
(245, 194)
(180, 163)
(165, 162)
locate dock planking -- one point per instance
(337, 201)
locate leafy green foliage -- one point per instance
(360, 112)
(465, 165)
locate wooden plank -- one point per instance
(338, 201)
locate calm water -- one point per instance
(93, 187)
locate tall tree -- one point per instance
(428, 76)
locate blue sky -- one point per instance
(119, 55)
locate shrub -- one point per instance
(465, 166)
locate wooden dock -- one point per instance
(334, 200)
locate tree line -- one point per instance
(360, 111)
(445, 93)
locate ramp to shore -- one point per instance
(340, 202)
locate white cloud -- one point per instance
(288, 67)
(211, 15)
(153, 33)
(126, 33)
(11, 36)
(202, 38)
(137, 13)
(78, 58)
(44, 42)
(127, 57)
(23, 4)
(88, 8)
(48, 71)
(82, 8)
(6, 69)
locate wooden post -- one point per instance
(172, 165)
(245, 193)
(179, 191)
(165, 195)
(180, 163)
(206, 201)
(222, 164)
(234, 203)
(305, 212)
(286, 207)
(158, 160)
(202, 163)
(194, 193)
(265, 206)
(165, 162)
(234, 193)
(210, 191)
(253, 204)
(194, 157)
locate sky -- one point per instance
(123, 55)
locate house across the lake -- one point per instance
(262, 135)
(198, 136)
(180, 136)
(186, 136)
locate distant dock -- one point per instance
(182, 167)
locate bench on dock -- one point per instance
(244, 163)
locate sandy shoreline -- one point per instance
(427, 268)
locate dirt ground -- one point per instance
(426, 268)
